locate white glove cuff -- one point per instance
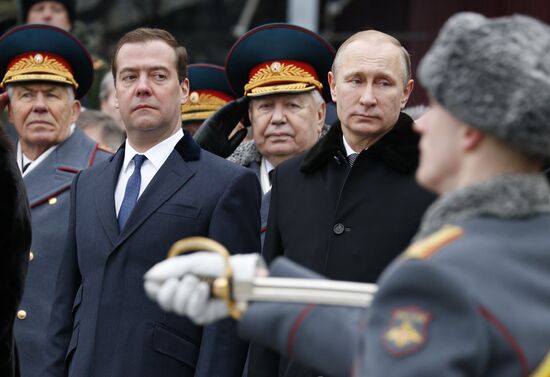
(246, 266)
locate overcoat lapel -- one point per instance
(62, 164)
(105, 195)
(171, 177)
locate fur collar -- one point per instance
(398, 148)
(506, 197)
(245, 154)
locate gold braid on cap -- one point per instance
(200, 106)
(38, 67)
(281, 76)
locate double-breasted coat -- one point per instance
(102, 323)
(48, 189)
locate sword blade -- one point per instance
(306, 291)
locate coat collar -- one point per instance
(55, 174)
(398, 148)
(171, 176)
(505, 197)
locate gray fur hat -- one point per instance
(494, 74)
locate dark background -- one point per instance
(205, 27)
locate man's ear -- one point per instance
(332, 85)
(407, 90)
(321, 114)
(184, 85)
(471, 138)
(75, 110)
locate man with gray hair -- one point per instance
(45, 71)
(454, 303)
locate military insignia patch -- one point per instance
(430, 245)
(407, 331)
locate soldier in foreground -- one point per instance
(453, 303)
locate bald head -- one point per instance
(376, 38)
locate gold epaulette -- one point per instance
(430, 245)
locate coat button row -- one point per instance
(338, 228)
(21, 314)
(52, 201)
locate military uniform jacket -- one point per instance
(470, 299)
(346, 224)
(48, 190)
(15, 242)
(102, 323)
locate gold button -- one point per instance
(31, 256)
(21, 314)
(52, 201)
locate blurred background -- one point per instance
(208, 28)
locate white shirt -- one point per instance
(156, 157)
(23, 160)
(349, 150)
(265, 168)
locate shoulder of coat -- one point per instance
(427, 247)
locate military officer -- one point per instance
(45, 71)
(209, 91)
(454, 303)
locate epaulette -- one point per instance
(430, 245)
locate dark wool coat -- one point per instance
(15, 242)
(345, 223)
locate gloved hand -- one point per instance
(174, 283)
(213, 134)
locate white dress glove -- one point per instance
(174, 283)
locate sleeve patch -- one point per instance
(430, 245)
(407, 331)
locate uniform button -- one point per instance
(31, 256)
(52, 201)
(338, 228)
(21, 314)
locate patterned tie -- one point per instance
(132, 192)
(351, 158)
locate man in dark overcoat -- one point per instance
(15, 242)
(350, 205)
(125, 214)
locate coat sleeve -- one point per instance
(423, 322)
(320, 337)
(60, 327)
(304, 333)
(235, 224)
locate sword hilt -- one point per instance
(220, 287)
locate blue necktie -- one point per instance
(132, 192)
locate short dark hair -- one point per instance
(142, 35)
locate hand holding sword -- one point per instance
(210, 285)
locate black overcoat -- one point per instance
(345, 223)
(15, 242)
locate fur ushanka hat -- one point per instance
(494, 74)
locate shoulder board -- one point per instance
(430, 245)
(544, 368)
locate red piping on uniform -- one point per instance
(93, 155)
(510, 338)
(70, 170)
(263, 229)
(296, 326)
(32, 205)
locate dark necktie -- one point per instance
(132, 192)
(26, 166)
(351, 158)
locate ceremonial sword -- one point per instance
(237, 293)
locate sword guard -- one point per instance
(221, 287)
